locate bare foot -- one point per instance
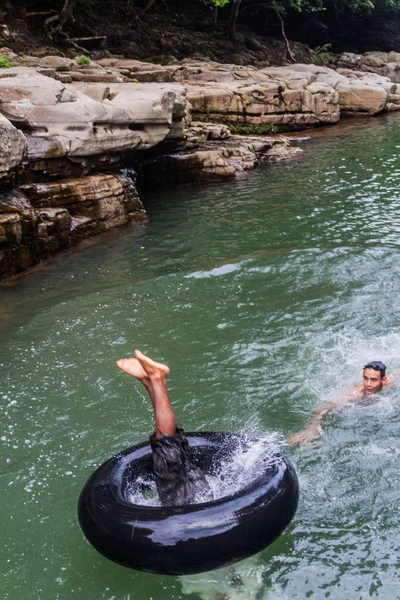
(151, 367)
(133, 367)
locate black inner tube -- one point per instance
(187, 539)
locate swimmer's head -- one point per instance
(376, 365)
(374, 376)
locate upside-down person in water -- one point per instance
(178, 480)
(374, 379)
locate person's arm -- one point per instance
(314, 430)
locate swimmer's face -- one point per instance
(372, 381)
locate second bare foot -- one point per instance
(151, 367)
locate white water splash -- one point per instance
(236, 471)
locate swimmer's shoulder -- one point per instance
(355, 393)
(389, 380)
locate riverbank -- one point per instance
(80, 140)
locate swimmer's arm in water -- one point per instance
(314, 430)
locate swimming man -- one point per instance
(374, 379)
(178, 480)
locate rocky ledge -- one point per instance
(381, 63)
(74, 139)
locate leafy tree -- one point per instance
(279, 7)
(233, 17)
(215, 5)
(60, 13)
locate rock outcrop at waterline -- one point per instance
(78, 120)
(64, 149)
(69, 131)
(40, 219)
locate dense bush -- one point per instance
(4, 62)
(83, 60)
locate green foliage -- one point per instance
(304, 5)
(352, 6)
(213, 3)
(249, 129)
(241, 128)
(307, 6)
(321, 55)
(4, 62)
(360, 6)
(83, 60)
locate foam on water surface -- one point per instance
(249, 458)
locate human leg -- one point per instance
(178, 480)
(153, 376)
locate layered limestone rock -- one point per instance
(68, 120)
(381, 63)
(120, 104)
(41, 219)
(361, 98)
(294, 97)
(233, 158)
(75, 126)
(290, 97)
(199, 132)
(105, 199)
(101, 115)
(12, 147)
(282, 97)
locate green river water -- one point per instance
(265, 297)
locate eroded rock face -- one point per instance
(386, 64)
(361, 98)
(269, 102)
(292, 97)
(107, 199)
(234, 157)
(41, 219)
(107, 109)
(12, 147)
(82, 121)
(157, 112)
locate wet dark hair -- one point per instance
(376, 365)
